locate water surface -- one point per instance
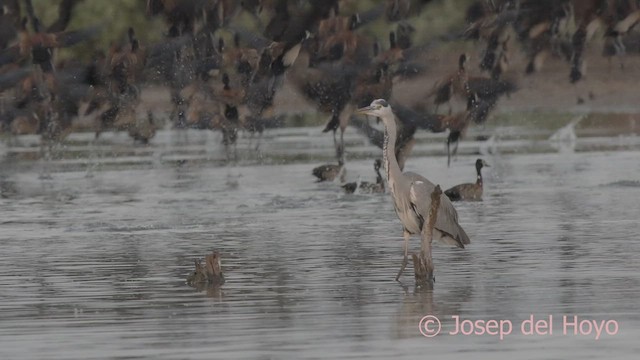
(93, 264)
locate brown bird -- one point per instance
(125, 65)
(457, 125)
(184, 14)
(477, 111)
(338, 40)
(202, 108)
(330, 172)
(502, 64)
(329, 87)
(468, 191)
(392, 55)
(230, 99)
(453, 84)
(37, 47)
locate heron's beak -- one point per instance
(365, 110)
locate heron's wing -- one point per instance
(447, 221)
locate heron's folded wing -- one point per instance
(447, 220)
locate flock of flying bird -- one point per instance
(223, 76)
(224, 61)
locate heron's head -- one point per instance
(379, 108)
(377, 164)
(481, 163)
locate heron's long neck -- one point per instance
(479, 179)
(388, 151)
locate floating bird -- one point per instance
(364, 187)
(411, 193)
(330, 172)
(468, 191)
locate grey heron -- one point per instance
(411, 193)
(468, 191)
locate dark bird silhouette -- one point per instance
(468, 191)
(330, 172)
(37, 47)
(329, 87)
(453, 84)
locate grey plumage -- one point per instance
(411, 192)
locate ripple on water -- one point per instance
(310, 270)
(624, 184)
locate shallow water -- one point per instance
(93, 264)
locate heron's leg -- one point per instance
(405, 260)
